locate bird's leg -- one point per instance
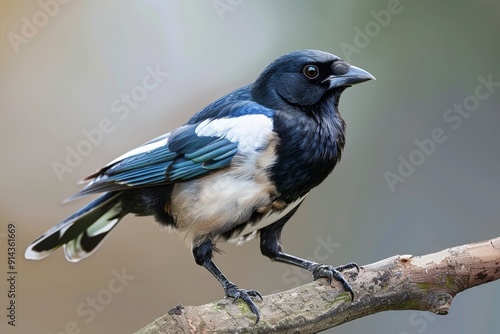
(270, 246)
(203, 257)
(319, 270)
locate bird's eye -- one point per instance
(311, 71)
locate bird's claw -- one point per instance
(246, 295)
(330, 273)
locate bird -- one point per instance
(238, 169)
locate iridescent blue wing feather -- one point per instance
(188, 152)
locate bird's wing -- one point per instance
(187, 152)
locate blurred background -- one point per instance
(82, 82)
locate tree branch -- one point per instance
(402, 282)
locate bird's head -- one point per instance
(302, 78)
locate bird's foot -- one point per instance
(232, 291)
(330, 273)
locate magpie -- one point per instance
(239, 168)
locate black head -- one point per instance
(303, 78)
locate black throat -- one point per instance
(311, 143)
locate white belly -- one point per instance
(230, 204)
(250, 230)
(210, 206)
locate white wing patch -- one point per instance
(249, 131)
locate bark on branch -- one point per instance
(401, 282)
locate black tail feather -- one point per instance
(81, 233)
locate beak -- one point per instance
(353, 76)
